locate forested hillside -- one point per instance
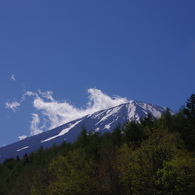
(155, 156)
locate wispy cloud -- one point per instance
(35, 124)
(22, 137)
(13, 105)
(13, 77)
(50, 113)
(99, 100)
(59, 112)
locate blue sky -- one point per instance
(77, 56)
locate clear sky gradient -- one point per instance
(81, 54)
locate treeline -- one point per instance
(155, 156)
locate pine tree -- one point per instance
(189, 134)
(190, 110)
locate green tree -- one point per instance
(188, 126)
(108, 175)
(177, 175)
(124, 166)
(117, 135)
(71, 174)
(134, 133)
(82, 138)
(190, 108)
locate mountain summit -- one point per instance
(100, 121)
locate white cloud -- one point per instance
(46, 94)
(29, 93)
(56, 113)
(99, 100)
(13, 105)
(22, 137)
(13, 77)
(34, 124)
(50, 113)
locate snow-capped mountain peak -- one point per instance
(101, 121)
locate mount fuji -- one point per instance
(100, 121)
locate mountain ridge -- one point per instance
(100, 121)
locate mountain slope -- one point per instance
(102, 121)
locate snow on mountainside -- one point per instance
(102, 121)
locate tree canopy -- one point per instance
(155, 156)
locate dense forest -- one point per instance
(154, 156)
